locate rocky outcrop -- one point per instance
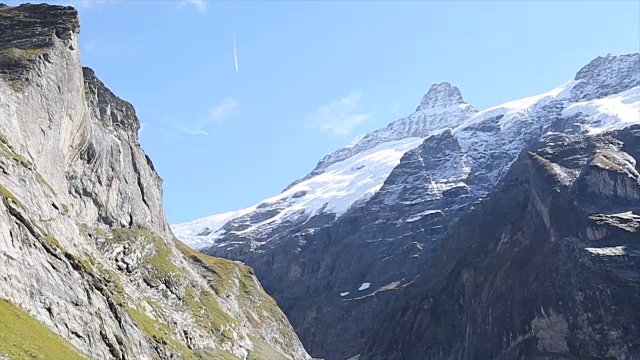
(85, 249)
(606, 75)
(545, 268)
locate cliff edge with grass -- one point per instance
(89, 268)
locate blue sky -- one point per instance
(315, 74)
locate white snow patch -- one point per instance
(610, 113)
(514, 110)
(608, 251)
(343, 294)
(188, 232)
(440, 187)
(364, 286)
(347, 181)
(196, 242)
(418, 216)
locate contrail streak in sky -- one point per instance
(235, 51)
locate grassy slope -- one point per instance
(23, 337)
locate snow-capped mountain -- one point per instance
(347, 176)
(374, 212)
(351, 175)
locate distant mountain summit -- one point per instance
(376, 211)
(442, 95)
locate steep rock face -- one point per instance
(317, 260)
(545, 268)
(606, 76)
(85, 249)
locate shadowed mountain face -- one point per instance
(547, 267)
(336, 269)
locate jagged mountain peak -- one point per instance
(607, 63)
(606, 75)
(441, 95)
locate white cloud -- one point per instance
(217, 113)
(340, 116)
(201, 5)
(224, 109)
(191, 131)
(187, 129)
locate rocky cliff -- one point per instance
(546, 267)
(340, 246)
(88, 265)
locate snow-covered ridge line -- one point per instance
(357, 171)
(337, 188)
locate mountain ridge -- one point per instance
(443, 107)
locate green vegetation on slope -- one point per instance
(264, 351)
(22, 55)
(228, 279)
(8, 196)
(202, 303)
(224, 270)
(22, 337)
(44, 182)
(4, 149)
(113, 284)
(160, 261)
(206, 310)
(162, 336)
(250, 296)
(160, 333)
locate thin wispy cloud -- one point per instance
(224, 109)
(217, 113)
(191, 131)
(340, 116)
(200, 5)
(173, 127)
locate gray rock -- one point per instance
(607, 75)
(522, 276)
(84, 244)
